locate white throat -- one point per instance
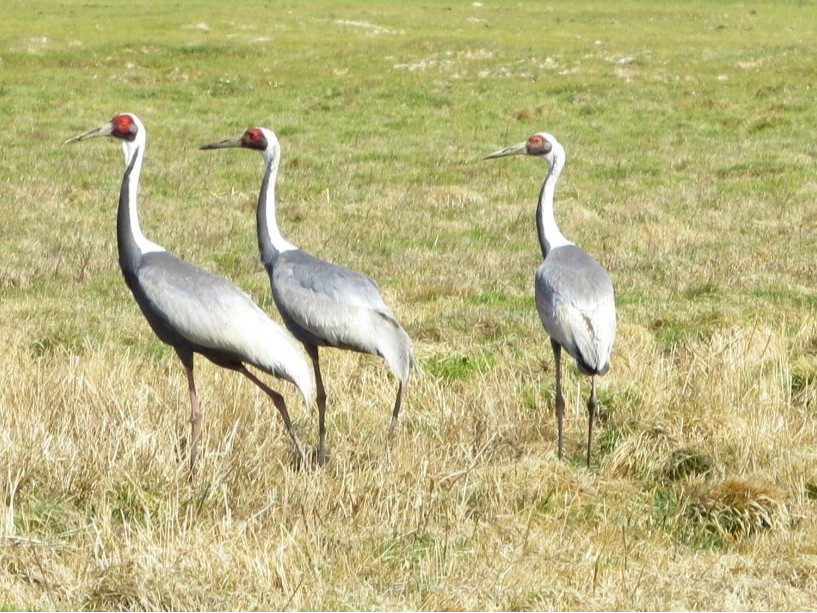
(549, 234)
(137, 148)
(272, 159)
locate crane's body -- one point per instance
(326, 305)
(322, 304)
(191, 309)
(196, 311)
(574, 298)
(574, 294)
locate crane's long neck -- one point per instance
(270, 241)
(550, 236)
(131, 243)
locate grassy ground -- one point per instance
(690, 176)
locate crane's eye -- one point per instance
(538, 145)
(253, 136)
(123, 122)
(124, 127)
(255, 139)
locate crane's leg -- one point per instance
(591, 411)
(195, 410)
(560, 401)
(279, 403)
(312, 351)
(396, 410)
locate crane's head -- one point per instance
(125, 126)
(540, 144)
(259, 139)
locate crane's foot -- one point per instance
(300, 462)
(181, 449)
(392, 428)
(312, 460)
(185, 456)
(318, 458)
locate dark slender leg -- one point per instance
(195, 418)
(312, 351)
(279, 403)
(195, 409)
(591, 411)
(396, 410)
(560, 401)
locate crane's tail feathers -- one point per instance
(307, 396)
(303, 381)
(299, 377)
(592, 371)
(396, 347)
(276, 352)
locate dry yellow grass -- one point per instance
(468, 509)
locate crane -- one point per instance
(574, 294)
(191, 309)
(322, 304)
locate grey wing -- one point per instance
(329, 281)
(575, 301)
(206, 310)
(329, 304)
(301, 281)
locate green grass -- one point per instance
(690, 177)
(452, 367)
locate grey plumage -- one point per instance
(322, 304)
(196, 311)
(327, 305)
(571, 290)
(191, 309)
(574, 295)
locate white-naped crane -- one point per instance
(322, 304)
(574, 295)
(191, 309)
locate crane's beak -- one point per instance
(517, 149)
(225, 144)
(106, 129)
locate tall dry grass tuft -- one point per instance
(468, 507)
(736, 508)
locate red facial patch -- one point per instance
(253, 136)
(124, 127)
(538, 145)
(536, 141)
(254, 139)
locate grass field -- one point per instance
(691, 177)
